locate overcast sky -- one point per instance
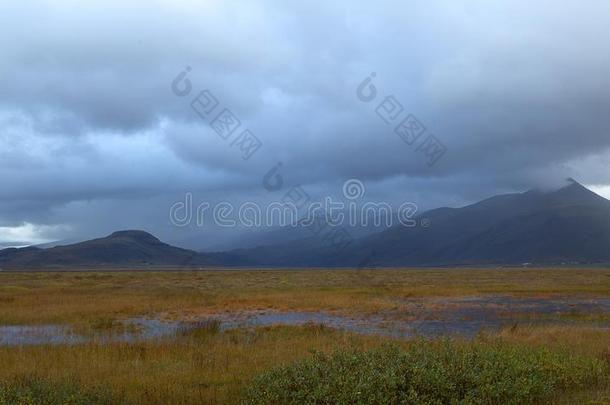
(94, 139)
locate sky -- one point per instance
(98, 131)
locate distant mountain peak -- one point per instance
(134, 234)
(558, 185)
(571, 183)
(575, 193)
(568, 192)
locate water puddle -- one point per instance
(429, 318)
(37, 335)
(468, 315)
(368, 325)
(136, 329)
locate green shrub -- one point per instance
(36, 391)
(427, 373)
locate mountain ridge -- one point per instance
(568, 225)
(491, 231)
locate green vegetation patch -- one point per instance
(428, 373)
(30, 390)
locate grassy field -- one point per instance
(82, 297)
(211, 366)
(207, 368)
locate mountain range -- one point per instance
(570, 225)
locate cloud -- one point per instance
(518, 92)
(31, 233)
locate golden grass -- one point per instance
(585, 340)
(80, 297)
(202, 369)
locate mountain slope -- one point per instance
(119, 249)
(569, 225)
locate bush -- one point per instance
(42, 392)
(426, 373)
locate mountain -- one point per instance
(123, 248)
(570, 225)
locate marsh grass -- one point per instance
(201, 367)
(574, 316)
(203, 364)
(199, 329)
(105, 327)
(78, 298)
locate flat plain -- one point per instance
(207, 356)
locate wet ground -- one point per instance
(446, 316)
(137, 329)
(465, 316)
(36, 335)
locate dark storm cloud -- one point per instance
(93, 139)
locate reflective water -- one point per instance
(431, 317)
(36, 335)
